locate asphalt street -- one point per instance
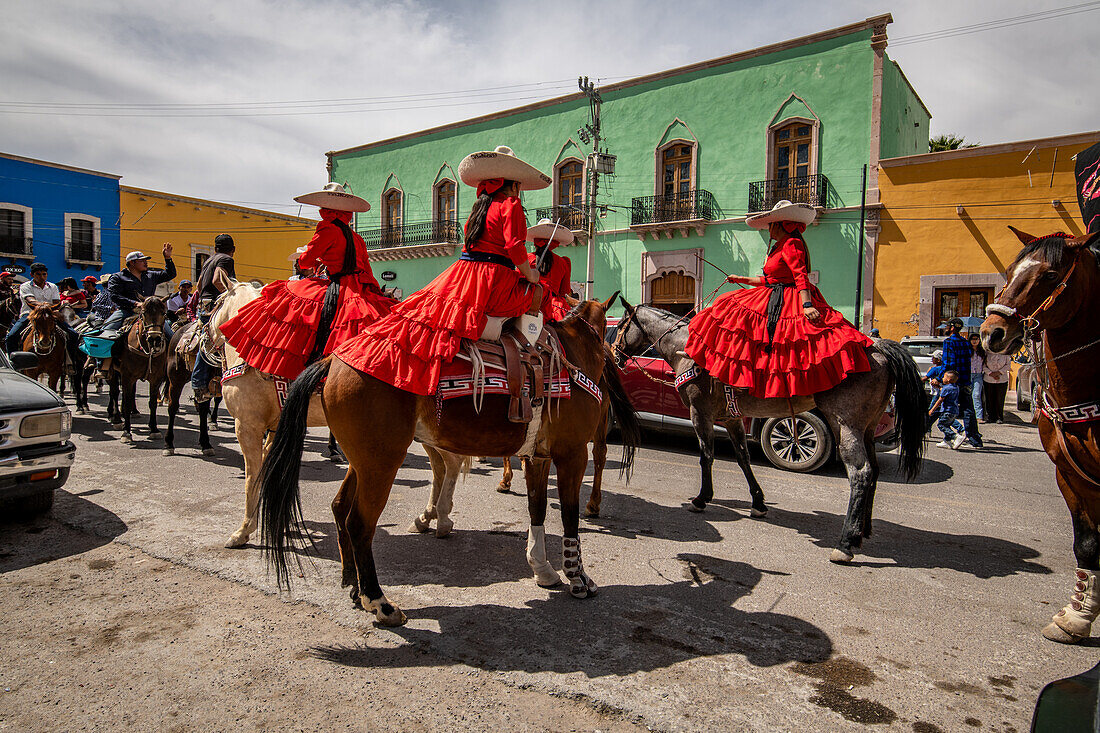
(712, 621)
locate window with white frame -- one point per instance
(82, 239)
(15, 230)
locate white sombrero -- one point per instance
(296, 254)
(783, 211)
(545, 228)
(333, 196)
(501, 163)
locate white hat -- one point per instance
(783, 211)
(938, 354)
(134, 256)
(501, 163)
(296, 254)
(545, 228)
(333, 196)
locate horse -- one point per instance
(1049, 302)
(83, 367)
(44, 338)
(374, 423)
(852, 409)
(182, 352)
(142, 353)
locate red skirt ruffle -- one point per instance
(276, 332)
(729, 337)
(408, 347)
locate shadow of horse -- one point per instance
(625, 629)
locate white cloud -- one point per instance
(1027, 81)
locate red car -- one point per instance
(803, 443)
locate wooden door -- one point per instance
(674, 292)
(675, 204)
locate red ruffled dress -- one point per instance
(276, 332)
(555, 283)
(730, 337)
(409, 347)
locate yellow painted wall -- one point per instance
(922, 233)
(264, 239)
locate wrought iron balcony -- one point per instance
(15, 245)
(575, 218)
(686, 206)
(408, 235)
(812, 190)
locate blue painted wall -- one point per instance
(51, 192)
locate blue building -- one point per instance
(65, 217)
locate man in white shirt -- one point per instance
(31, 293)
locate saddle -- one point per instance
(526, 364)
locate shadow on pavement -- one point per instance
(623, 629)
(41, 540)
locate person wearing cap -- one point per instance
(492, 277)
(554, 270)
(779, 338)
(131, 286)
(296, 322)
(31, 293)
(177, 304)
(91, 291)
(957, 353)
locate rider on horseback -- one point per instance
(217, 274)
(131, 286)
(31, 293)
(554, 270)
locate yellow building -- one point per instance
(264, 239)
(944, 241)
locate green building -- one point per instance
(697, 149)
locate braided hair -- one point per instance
(475, 224)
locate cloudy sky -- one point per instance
(238, 101)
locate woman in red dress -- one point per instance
(492, 277)
(780, 338)
(282, 331)
(554, 270)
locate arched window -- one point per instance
(792, 153)
(391, 217)
(676, 181)
(570, 193)
(445, 221)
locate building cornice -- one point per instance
(868, 24)
(217, 205)
(60, 166)
(1081, 138)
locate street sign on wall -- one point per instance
(389, 275)
(13, 269)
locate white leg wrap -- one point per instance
(1076, 618)
(580, 585)
(545, 575)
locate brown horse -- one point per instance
(375, 423)
(1049, 303)
(141, 354)
(47, 340)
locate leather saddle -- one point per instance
(526, 365)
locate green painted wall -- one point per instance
(904, 120)
(727, 110)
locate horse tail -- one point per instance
(280, 503)
(910, 405)
(623, 411)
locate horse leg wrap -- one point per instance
(580, 585)
(1074, 622)
(545, 575)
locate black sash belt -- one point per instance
(332, 294)
(775, 310)
(475, 256)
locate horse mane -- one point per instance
(1050, 247)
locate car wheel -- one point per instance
(32, 506)
(801, 443)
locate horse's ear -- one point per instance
(1024, 237)
(607, 303)
(626, 306)
(573, 302)
(1084, 242)
(166, 298)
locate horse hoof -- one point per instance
(420, 525)
(127, 438)
(385, 613)
(156, 436)
(591, 513)
(548, 580)
(208, 451)
(840, 557)
(758, 513)
(169, 451)
(1054, 632)
(504, 488)
(236, 540)
(442, 529)
(698, 508)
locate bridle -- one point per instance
(617, 345)
(37, 339)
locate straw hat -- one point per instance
(783, 211)
(501, 163)
(545, 228)
(296, 253)
(333, 196)
(103, 280)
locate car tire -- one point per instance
(802, 443)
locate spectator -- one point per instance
(995, 377)
(948, 406)
(73, 296)
(934, 377)
(956, 358)
(874, 333)
(977, 367)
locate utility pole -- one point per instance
(591, 131)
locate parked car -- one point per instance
(921, 348)
(1027, 387)
(35, 451)
(803, 443)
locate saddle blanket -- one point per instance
(456, 381)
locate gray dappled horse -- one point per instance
(853, 409)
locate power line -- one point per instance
(995, 24)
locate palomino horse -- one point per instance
(44, 338)
(141, 354)
(1049, 303)
(375, 423)
(852, 409)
